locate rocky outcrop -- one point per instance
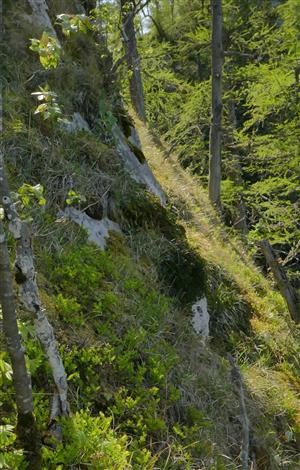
(97, 230)
(77, 123)
(139, 171)
(40, 16)
(200, 320)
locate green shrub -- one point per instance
(69, 310)
(89, 442)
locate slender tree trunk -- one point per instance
(214, 183)
(132, 58)
(286, 289)
(27, 431)
(29, 295)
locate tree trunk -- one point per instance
(286, 289)
(29, 295)
(132, 58)
(214, 183)
(27, 432)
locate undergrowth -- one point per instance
(145, 391)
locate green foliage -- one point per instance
(274, 211)
(268, 92)
(80, 271)
(49, 108)
(48, 49)
(232, 193)
(74, 198)
(165, 94)
(5, 370)
(190, 134)
(71, 24)
(29, 194)
(89, 441)
(144, 392)
(69, 310)
(260, 98)
(108, 120)
(34, 355)
(9, 457)
(127, 369)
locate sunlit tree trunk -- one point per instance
(132, 58)
(26, 426)
(215, 140)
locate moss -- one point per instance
(183, 271)
(116, 244)
(83, 73)
(124, 120)
(137, 152)
(141, 209)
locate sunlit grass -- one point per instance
(270, 320)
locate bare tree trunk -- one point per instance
(27, 431)
(286, 289)
(214, 182)
(26, 279)
(132, 58)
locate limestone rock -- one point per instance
(78, 123)
(98, 230)
(40, 16)
(140, 172)
(200, 320)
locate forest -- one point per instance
(150, 235)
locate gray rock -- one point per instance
(78, 123)
(40, 16)
(140, 172)
(98, 230)
(200, 320)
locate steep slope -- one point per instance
(268, 347)
(146, 391)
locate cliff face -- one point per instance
(148, 319)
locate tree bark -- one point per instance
(132, 58)
(26, 280)
(215, 140)
(286, 289)
(27, 431)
